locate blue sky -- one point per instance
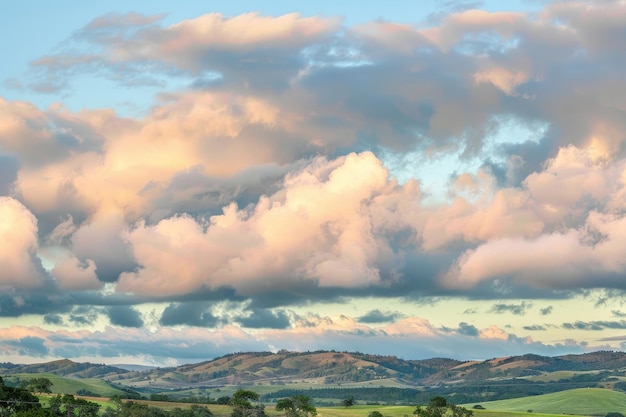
(421, 179)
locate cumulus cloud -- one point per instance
(270, 179)
(18, 246)
(253, 249)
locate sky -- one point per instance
(180, 181)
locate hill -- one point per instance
(331, 375)
(582, 401)
(64, 367)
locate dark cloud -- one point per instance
(535, 327)
(618, 313)
(466, 329)
(84, 315)
(34, 302)
(595, 325)
(377, 316)
(30, 346)
(196, 314)
(546, 311)
(265, 319)
(516, 309)
(195, 193)
(53, 319)
(124, 316)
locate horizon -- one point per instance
(121, 365)
(440, 179)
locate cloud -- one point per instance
(9, 166)
(378, 316)
(516, 309)
(124, 316)
(18, 246)
(596, 325)
(333, 247)
(467, 329)
(55, 319)
(546, 311)
(31, 346)
(535, 327)
(265, 319)
(290, 169)
(190, 313)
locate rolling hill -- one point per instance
(581, 401)
(366, 377)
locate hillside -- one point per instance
(582, 401)
(63, 367)
(366, 377)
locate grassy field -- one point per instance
(62, 385)
(585, 401)
(582, 401)
(355, 411)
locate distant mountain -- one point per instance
(366, 377)
(133, 367)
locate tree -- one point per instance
(40, 385)
(348, 402)
(133, 409)
(375, 414)
(15, 400)
(296, 406)
(69, 406)
(242, 407)
(440, 407)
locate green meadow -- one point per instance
(581, 401)
(63, 385)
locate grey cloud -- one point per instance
(535, 327)
(595, 325)
(53, 319)
(124, 316)
(9, 166)
(84, 315)
(546, 311)
(89, 239)
(195, 193)
(516, 309)
(265, 319)
(466, 329)
(33, 302)
(30, 346)
(190, 313)
(618, 313)
(377, 316)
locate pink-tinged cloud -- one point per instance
(18, 246)
(247, 31)
(474, 23)
(72, 274)
(560, 259)
(320, 227)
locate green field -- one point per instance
(582, 401)
(62, 385)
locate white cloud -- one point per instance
(18, 246)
